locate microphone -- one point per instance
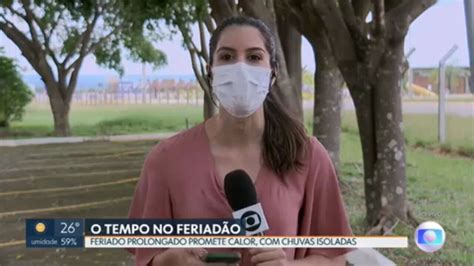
(242, 197)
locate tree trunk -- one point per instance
(369, 56)
(3, 117)
(377, 100)
(210, 109)
(327, 99)
(362, 95)
(327, 79)
(3, 123)
(390, 142)
(60, 108)
(290, 40)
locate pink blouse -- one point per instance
(179, 180)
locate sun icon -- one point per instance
(40, 227)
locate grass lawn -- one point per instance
(439, 189)
(439, 186)
(108, 120)
(422, 130)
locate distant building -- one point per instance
(457, 79)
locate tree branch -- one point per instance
(390, 4)
(361, 8)
(84, 38)
(301, 15)
(54, 25)
(103, 39)
(35, 56)
(196, 54)
(338, 32)
(202, 37)
(76, 66)
(257, 9)
(73, 81)
(25, 45)
(379, 18)
(293, 12)
(354, 24)
(19, 39)
(202, 67)
(200, 76)
(232, 6)
(29, 18)
(15, 12)
(399, 18)
(46, 37)
(209, 23)
(188, 41)
(221, 10)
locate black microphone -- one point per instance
(242, 197)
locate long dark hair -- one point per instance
(284, 136)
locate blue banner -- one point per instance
(69, 233)
(163, 227)
(54, 233)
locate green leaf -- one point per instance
(6, 3)
(70, 42)
(14, 93)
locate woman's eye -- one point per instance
(255, 57)
(226, 57)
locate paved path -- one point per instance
(59, 140)
(418, 107)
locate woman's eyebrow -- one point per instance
(233, 50)
(226, 48)
(256, 49)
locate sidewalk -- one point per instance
(368, 256)
(59, 140)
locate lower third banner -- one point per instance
(245, 242)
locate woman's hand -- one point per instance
(180, 256)
(268, 257)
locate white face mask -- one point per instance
(241, 88)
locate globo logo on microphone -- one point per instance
(252, 219)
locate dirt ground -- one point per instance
(87, 180)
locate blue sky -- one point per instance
(432, 35)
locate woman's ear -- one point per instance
(273, 78)
(275, 69)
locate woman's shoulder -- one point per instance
(317, 154)
(316, 149)
(177, 144)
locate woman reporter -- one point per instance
(295, 180)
